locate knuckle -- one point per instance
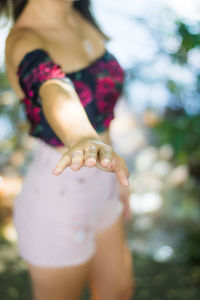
(105, 151)
(62, 161)
(76, 161)
(77, 153)
(91, 152)
(61, 164)
(91, 148)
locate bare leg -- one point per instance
(111, 276)
(65, 283)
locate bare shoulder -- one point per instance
(19, 42)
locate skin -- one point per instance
(83, 146)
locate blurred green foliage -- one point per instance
(189, 40)
(178, 127)
(182, 131)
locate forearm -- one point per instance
(65, 114)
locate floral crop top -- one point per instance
(98, 86)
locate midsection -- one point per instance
(104, 136)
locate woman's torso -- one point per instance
(68, 52)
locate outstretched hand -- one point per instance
(94, 153)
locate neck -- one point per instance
(58, 10)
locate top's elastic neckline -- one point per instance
(90, 65)
(26, 56)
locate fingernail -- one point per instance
(75, 164)
(90, 160)
(105, 161)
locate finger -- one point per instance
(105, 155)
(91, 154)
(123, 178)
(119, 167)
(62, 164)
(77, 159)
(127, 213)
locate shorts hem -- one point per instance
(59, 264)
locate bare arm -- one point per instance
(65, 113)
(60, 102)
(67, 117)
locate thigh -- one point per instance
(111, 274)
(59, 283)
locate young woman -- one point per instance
(67, 216)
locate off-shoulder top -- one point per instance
(98, 86)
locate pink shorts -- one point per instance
(57, 216)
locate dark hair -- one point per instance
(13, 9)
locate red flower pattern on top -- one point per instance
(84, 92)
(38, 75)
(33, 113)
(100, 85)
(100, 66)
(106, 94)
(115, 70)
(46, 71)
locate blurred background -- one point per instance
(156, 129)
